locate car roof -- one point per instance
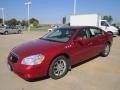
(76, 27)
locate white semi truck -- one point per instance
(92, 20)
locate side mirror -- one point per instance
(79, 39)
(106, 27)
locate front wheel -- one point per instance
(6, 33)
(106, 50)
(58, 67)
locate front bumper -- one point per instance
(116, 33)
(27, 72)
(1, 31)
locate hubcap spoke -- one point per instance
(107, 48)
(59, 67)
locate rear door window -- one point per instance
(95, 32)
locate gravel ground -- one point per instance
(98, 74)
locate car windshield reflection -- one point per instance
(59, 35)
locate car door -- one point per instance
(104, 25)
(82, 51)
(9, 29)
(97, 39)
(13, 30)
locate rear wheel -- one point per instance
(19, 32)
(106, 50)
(59, 67)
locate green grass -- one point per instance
(40, 29)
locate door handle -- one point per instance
(90, 44)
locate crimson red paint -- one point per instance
(39, 57)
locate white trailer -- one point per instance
(92, 20)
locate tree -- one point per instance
(24, 23)
(18, 22)
(12, 22)
(34, 22)
(108, 18)
(64, 20)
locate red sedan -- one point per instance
(55, 53)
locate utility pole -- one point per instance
(74, 7)
(28, 5)
(2, 9)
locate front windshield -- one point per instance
(59, 35)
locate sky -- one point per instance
(52, 11)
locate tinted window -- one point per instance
(104, 23)
(95, 32)
(7, 27)
(82, 33)
(1, 26)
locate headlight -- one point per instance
(33, 60)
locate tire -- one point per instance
(6, 33)
(106, 50)
(58, 67)
(119, 32)
(19, 32)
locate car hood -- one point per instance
(114, 29)
(35, 47)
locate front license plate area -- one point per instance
(9, 67)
